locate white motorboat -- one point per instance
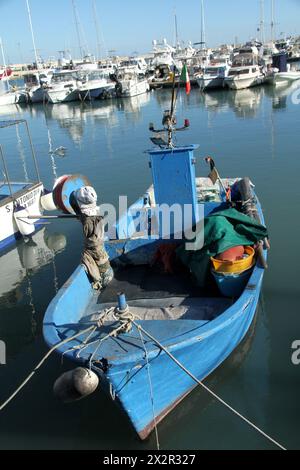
(281, 73)
(9, 97)
(213, 76)
(245, 71)
(36, 84)
(95, 85)
(18, 199)
(282, 78)
(244, 77)
(135, 65)
(163, 54)
(63, 87)
(88, 64)
(131, 85)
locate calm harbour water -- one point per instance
(252, 133)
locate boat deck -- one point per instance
(155, 295)
(15, 188)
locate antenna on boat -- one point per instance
(168, 121)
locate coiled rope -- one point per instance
(141, 329)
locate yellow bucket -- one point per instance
(238, 266)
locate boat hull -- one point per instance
(8, 98)
(210, 83)
(242, 83)
(62, 96)
(200, 345)
(29, 198)
(135, 88)
(37, 95)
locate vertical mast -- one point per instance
(77, 28)
(176, 31)
(203, 41)
(272, 20)
(97, 30)
(32, 35)
(4, 61)
(262, 21)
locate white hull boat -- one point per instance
(283, 78)
(62, 93)
(24, 201)
(206, 82)
(134, 87)
(63, 87)
(94, 86)
(9, 98)
(213, 76)
(240, 78)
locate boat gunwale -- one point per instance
(20, 193)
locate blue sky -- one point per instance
(130, 25)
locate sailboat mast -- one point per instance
(4, 61)
(176, 30)
(77, 28)
(272, 20)
(203, 40)
(32, 35)
(97, 30)
(262, 21)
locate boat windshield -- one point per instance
(214, 70)
(97, 75)
(64, 77)
(238, 72)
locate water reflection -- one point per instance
(26, 259)
(245, 103)
(73, 117)
(281, 95)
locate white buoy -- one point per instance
(47, 201)
(75, 384)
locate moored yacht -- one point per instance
(281, 72)
(95, 85)
(245, 72)
(130, 85)
(36, 85)
(213, 75)
(63, 87)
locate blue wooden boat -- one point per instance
(199, 327)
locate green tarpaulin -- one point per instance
(222, 230)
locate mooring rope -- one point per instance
(246, 420)
(56, 346)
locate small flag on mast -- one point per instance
(184, 77)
